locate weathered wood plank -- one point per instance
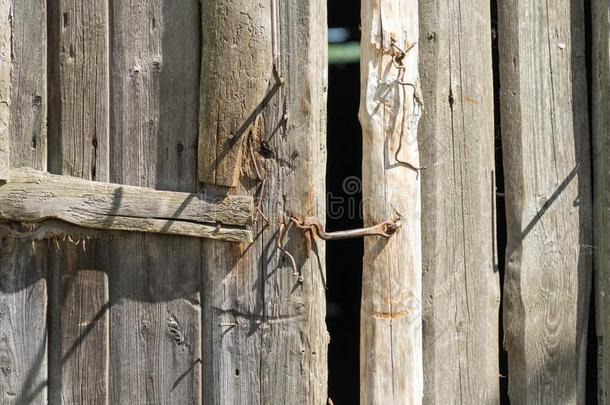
(265, 339)
(28, 123)
(23, 268)
(601, 201)
(155, 318)
(6, 61)
(32, 196)
(391, 369)
(234, 40)
(78, 146)
(546, 144)
(461, 283)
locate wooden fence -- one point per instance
(149, 99)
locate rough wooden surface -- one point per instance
(391, 329)
(461, 284)
(78, 146)
(234, 79)
(154, 280)
(601, 202)
(548, 199)
(264, 337)
(28, 124)
(23, 267)
(33, 196)
(5, 85)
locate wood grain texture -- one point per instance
(23, 266)
(265, 340)
(33, 196)
(78, 130)
(391, 369)
(601, 197)
(78, 146)
(28, 123)
(6, 61)
(154, 281)
(461, 284)
(546, 143)
(234, 79)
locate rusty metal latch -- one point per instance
(313, 226)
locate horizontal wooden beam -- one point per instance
(33, 196)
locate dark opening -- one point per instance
(344, 258)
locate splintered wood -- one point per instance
(391, 330)
(33, 196)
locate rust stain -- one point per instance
(469, 100)
(390, 315)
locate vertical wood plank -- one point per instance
(461, 282)
(264, 333)
(391, 369)
(6, 36)
(546, 143)
(23, 265)
(28, 125)
(601, 201)
(78, 146)
(155, 318)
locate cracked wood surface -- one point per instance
(234, 79)
(546, 151)
(601, 202)
(23, 268)
(391, 369)
(265, 337)
(461, 281)
(33, 196)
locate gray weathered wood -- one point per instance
(33, 196)
(155, 319)
(28, 123)
(601, 201)
(391, 369)
(78, 146)
(234, 79)
(265, 339)
(548, 199)
(5, 85)
(461, 286)
(23, 266)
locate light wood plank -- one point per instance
(601, 202)
(265, 339)
(33, 196)
(461, 281)
(6, 62)
(236, 38)
(23, 266)
(391, 369)
(155, 316)
(546, 140)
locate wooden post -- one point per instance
(601, 202)
(461, 282)
(23, 267)
(265, 339)
(546, 140)
(391, 335)
(5, 86)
